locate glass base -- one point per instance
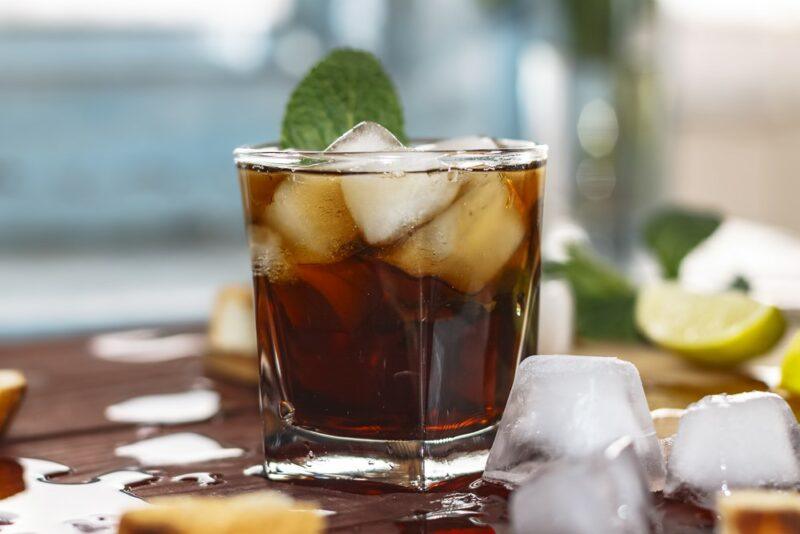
(294, 453)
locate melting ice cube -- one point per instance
(604, 492)
(723, 442)
(572, 406)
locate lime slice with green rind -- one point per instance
(790, 367)
(713, 329)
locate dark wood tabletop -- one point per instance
(62, 420)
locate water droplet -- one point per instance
(519, 308)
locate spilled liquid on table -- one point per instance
(166, 409)
(32, 502)
(177, 449)
(200, 478)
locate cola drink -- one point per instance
(393, 303)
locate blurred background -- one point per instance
(118, 199)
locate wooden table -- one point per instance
(62, 420)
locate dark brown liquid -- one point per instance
(358, 347)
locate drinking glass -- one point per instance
(395, 294)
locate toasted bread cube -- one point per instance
(232, 328)
(265, 512)
(12, 389)
(759, 512)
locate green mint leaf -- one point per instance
(604, 298)
(740, 283)
(346, 87)
(673, 232)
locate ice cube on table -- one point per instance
(469, 243)
(572, 406)
(748, 440)
(605, 492)
(309, 213)
(366, 136)
(387, 206)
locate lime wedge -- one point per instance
(715, 329)
(790, 368)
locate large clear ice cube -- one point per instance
(386, 205)
(572, 406)
(724, 442)
(469, 243)
(603, 492)
(309, 212)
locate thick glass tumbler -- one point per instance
(395, 294)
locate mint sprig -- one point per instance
(604, 298)
(673, 232)
(346, 87)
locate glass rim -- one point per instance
(510, 153)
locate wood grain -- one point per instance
(62, 420)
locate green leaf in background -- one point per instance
(672, 233)
(604, 298)
(345, 88)
(740, 283)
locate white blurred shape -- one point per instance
(235, 35)
(467, 142)
(556, 317)
(595, 178)
(166, 409)
(767, 257)
(735, 149)
(244, 15)
(359, 23)
(177, 449)
(725, 442)
(297, 50)
(598, 128)
(542, 92)
(559, 236)
(145, 346)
